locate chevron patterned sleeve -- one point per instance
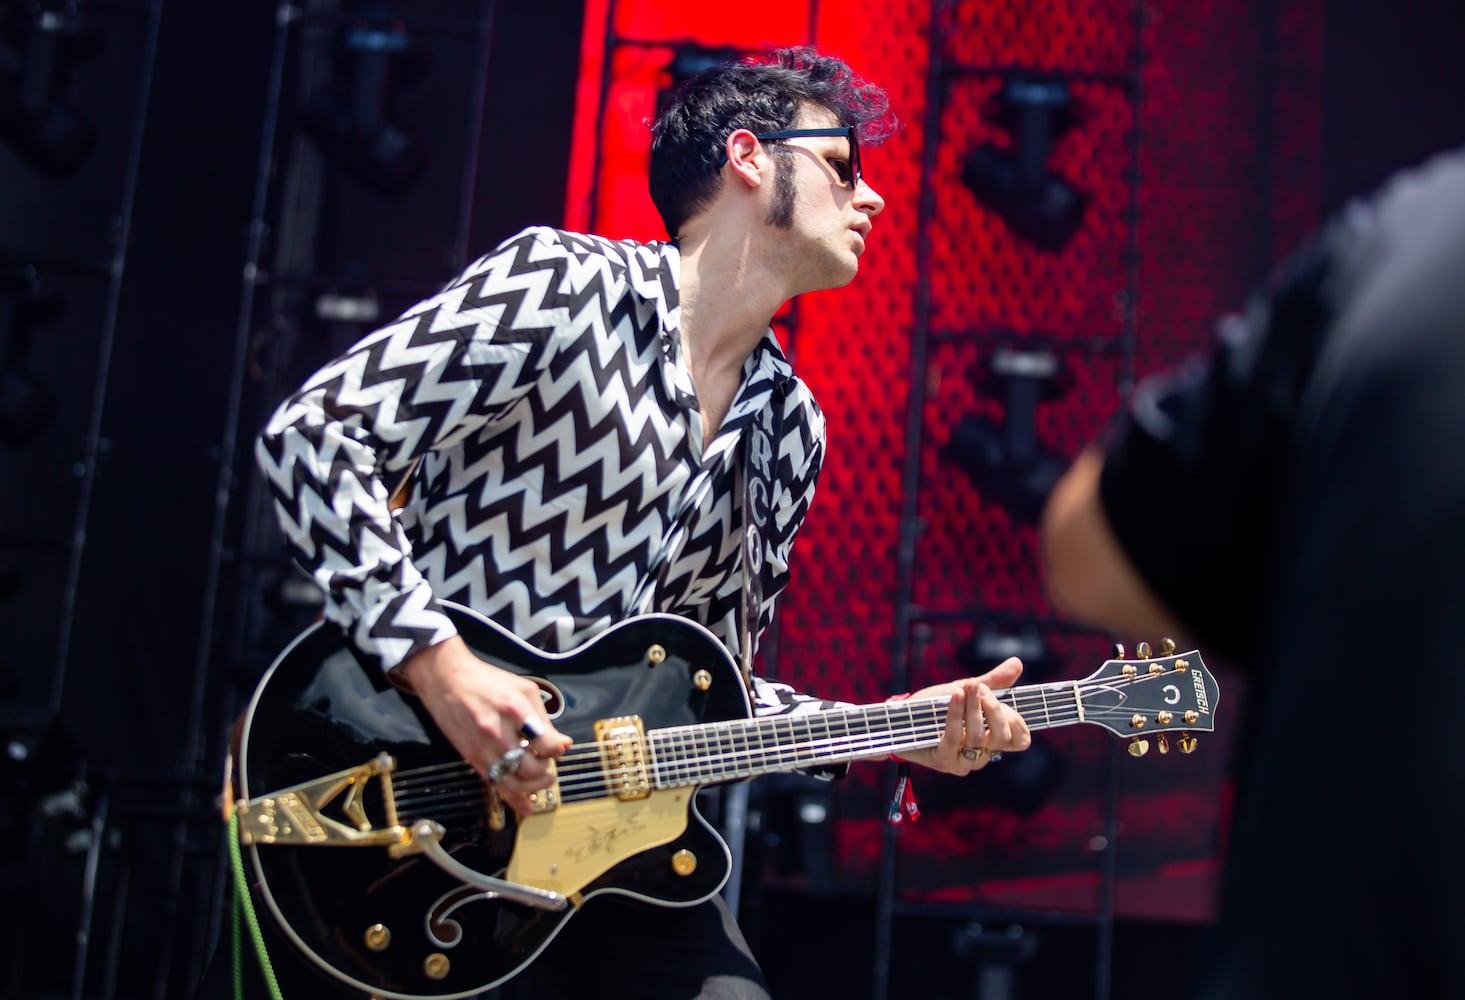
(444, 369)
(801, 456)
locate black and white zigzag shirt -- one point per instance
(561, 444)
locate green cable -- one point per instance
(243, 904)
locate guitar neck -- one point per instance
(746, 748)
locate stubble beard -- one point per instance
(781, 212)
(781, 216)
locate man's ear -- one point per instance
(746, 156)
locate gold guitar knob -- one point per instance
(1167, 646)
(656, 654)
(1119, 651)
(1186, 743)
(1162, 744)
(1143, 649)
(702, 680)
(436, 966)
(684, 862)
(1138, 748)
(378, 937)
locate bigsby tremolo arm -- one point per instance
(426, 840)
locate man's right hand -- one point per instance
(479, 708)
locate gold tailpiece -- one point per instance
(296, 815)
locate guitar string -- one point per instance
(600, 779)
(427, 792)
(785, 731)
(590, 756)
(467, 801)
(711, 742)
(586, 769)
(1031, 697)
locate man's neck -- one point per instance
(727, 297)
(727, 302)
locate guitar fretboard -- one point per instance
(745, 748)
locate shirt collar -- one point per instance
(656, 277)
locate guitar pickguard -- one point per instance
(565, 850)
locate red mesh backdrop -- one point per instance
(1195, 137)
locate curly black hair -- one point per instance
(760, 93)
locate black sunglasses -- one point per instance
(849, 173)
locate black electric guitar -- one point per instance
(394, 869)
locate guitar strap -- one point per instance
(760, 460)
(757, 472)
(403, 492)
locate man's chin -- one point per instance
(840, 272)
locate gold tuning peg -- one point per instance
(1162, 744)
(1167, 646)
(1138, 748)
(1186, 743)
(1143, 649)
(1119, 651)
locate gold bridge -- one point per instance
(296, 815)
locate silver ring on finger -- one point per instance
(508, 764)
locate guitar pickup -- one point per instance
(623, 758)
(297, 815)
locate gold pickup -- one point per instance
(622, 742)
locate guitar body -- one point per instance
(318, 711)
(392, 868)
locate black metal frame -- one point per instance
(910, 618)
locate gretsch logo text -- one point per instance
(1201, 701)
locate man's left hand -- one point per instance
(977, 724)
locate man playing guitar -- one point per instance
(578, 411)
